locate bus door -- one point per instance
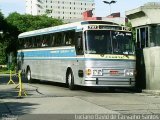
(79, 44)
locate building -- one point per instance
(146, 21)
(61, 9)
(114, 17)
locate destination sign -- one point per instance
(110, 27)
(103, 27)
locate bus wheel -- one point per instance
(70, 80)
(28, 75)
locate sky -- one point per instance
(101, 9)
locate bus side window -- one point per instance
(38, 38)
(79, 44)
(26, 43)
(44, 43)
(52, 41)
(69, 41)
(33, 42)
(69, 37)
(30, 42)
(58, 39)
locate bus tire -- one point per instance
(28, 75)
(70, 80)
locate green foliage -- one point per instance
(2, 54)
(18, 23)
(1, 21)
(2, 45)
(128, 24)
(6, 71)
(28, 22)
(12, 66)
(15, 24)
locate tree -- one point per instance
(1, 21)
(2, 43)
(2, 53)
(15, 24)
(29, 22)
(128, 24)
(21, 23)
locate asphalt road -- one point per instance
(52, 98)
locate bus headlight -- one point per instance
(88, 72)
(129, 73)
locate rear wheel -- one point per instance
(70, 80)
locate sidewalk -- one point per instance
(3, 108)
(153, 92)
(9, 92)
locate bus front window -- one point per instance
(108, 42)
(122, 42)
(98, 42)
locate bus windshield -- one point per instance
(109, 42)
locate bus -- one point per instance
(87, 53)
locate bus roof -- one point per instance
(70, 26)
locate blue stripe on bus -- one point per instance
(47, 58)
(63, 54)
(49, 53)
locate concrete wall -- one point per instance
(144, 15)
(152, 65)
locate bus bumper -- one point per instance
(124, 82)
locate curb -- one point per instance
(154, 92)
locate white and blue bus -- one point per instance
(87, 53)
